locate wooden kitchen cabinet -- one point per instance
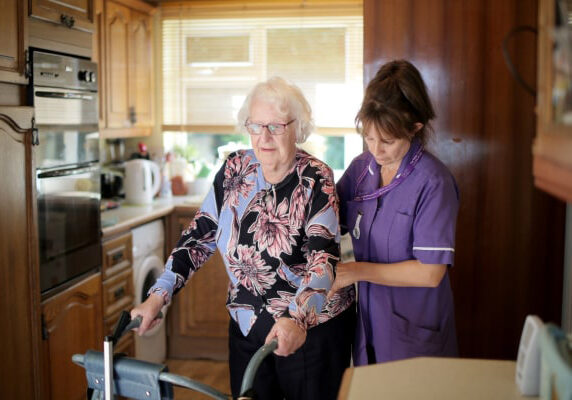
(141, 71)
(126, 56)
(73, 14)
(71, 324)
(198, 319)
(20, 340)
(552, 148)
(13, 46)
(116, 64)
(117, 286)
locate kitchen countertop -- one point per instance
(128, 216)
(432, 378)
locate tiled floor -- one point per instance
(212, 373)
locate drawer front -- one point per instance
(118, 293)
(117, 255)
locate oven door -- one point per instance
(67, 127)
(65, 146)
(68, 223)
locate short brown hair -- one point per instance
(395, 100)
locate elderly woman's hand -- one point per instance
(290, 336)
(148, 310)
(345, 276)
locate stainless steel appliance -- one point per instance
(64, 92)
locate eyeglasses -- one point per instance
(274, 128)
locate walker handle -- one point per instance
(125, 324)
(253, 364)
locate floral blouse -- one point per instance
(279, 243)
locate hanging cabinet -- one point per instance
(124, 49)
(13, 46)
(73, 14)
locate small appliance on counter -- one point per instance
(555, 364)
(528, 359)
(142, 181)
(116, 149)
(111, 184)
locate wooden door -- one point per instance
(20, 291)
(14, 41)
(198, 317)
(141, 69)
(509, 245)
(72, 324)
(77, 14)
(117, 65)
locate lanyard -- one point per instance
(398, 179)
(381, 191)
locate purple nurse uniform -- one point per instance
(414, 220)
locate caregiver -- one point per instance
(399, 203)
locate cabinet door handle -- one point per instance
(45, 330)
(67, 20)
(119, 293)
(116, 257)
(132, 115)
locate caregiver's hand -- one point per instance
(290, 336)
(345, 276)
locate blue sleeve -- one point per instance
(196, 244)
(344, 189)
(323, 252)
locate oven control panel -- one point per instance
(59, 71)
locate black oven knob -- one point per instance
(84, 76)
(92, 77)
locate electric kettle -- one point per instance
(142, 181)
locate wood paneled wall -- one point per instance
(510, 236)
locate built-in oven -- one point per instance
(65, 99)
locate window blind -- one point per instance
(212, 54)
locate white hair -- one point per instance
(289, 101)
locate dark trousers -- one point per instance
(313, 372)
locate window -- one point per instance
(218, 51)
(212, 57)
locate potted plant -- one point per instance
(197, 176)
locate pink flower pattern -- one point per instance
(236, 174)
(277, 305)
(273, 259)
(250, 270)
(298, 202)
(272, 230)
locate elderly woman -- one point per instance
(272, 213)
